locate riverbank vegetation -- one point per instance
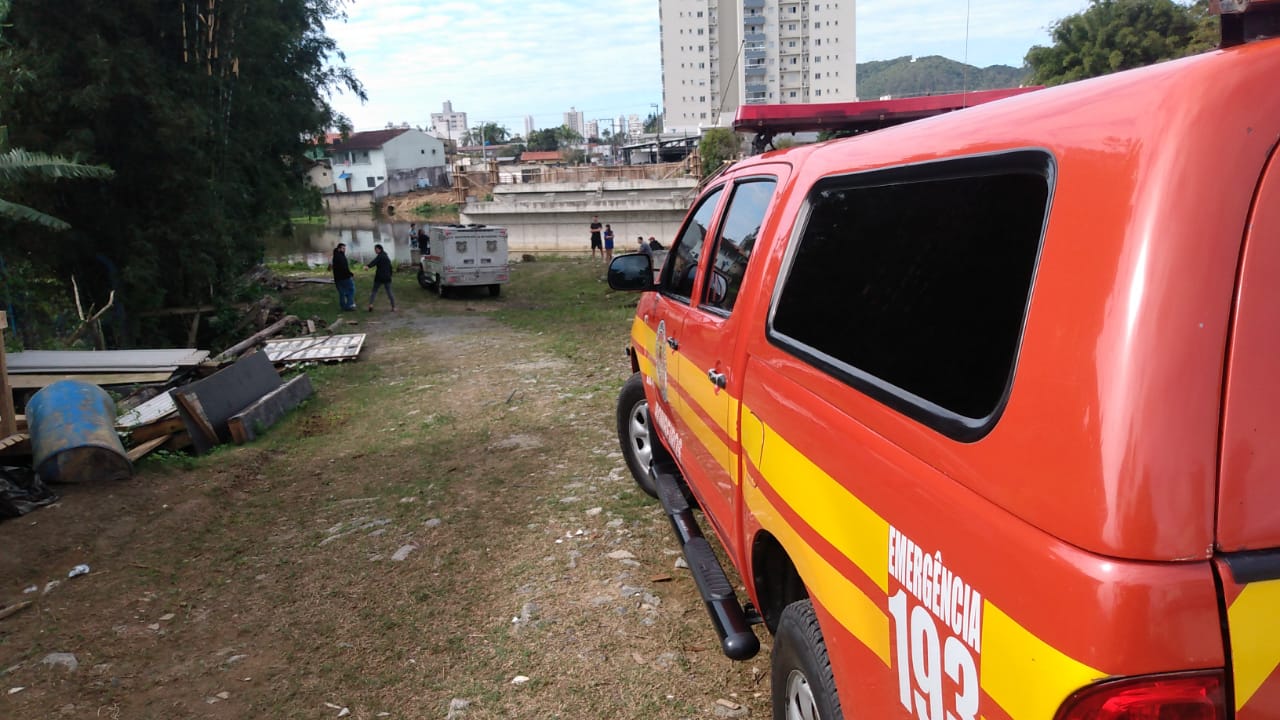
(187, 104)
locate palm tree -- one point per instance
(17, 165)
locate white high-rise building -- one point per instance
(575, 122)
(717, 55)
(528, 126)
(449, 125)
(593, 130)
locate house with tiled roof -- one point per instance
(388, 161)
(541, 156)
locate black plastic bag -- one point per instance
(22, 491)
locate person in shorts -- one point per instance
(597, 243)
(608, 243)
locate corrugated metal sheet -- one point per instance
(103, 361)
(295, 350)
(148, 412)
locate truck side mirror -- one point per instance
(631, 272)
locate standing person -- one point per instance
(644, 246)
(596, 243)
(424, 241)
(343, 278)
(413, 235)
(608, 243)
(381, 265)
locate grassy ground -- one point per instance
(474, 440)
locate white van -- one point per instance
(463, 256)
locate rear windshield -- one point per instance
(912, 283)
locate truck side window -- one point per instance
(912, 284)
(738, 234)
(682, 267)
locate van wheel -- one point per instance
(424, 280)
(635, 433)
(803, 686)
(495, 290)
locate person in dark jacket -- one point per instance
(381, 265)
(343, 278)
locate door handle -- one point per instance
(717, 379)
(673, 343)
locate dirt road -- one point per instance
(446, 530)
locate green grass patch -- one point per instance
(430, 210)
(568, 301)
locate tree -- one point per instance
(19, 165)
(653, 123)
(543, 140)
(205, 110)
(716, 146)
(488, 133)
(1114, 35)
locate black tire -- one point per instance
(636, 435)
(441, 290)
(424, 280)
(495, 290)
(803, 686)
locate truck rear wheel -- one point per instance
(638, 438)
(803, 686)
(495, 290)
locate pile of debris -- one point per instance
(177, 400)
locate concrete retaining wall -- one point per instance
(555, 217)
(360, 201)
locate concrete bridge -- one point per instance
(554, 217)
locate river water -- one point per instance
(314, 244)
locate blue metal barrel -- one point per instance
(73, 436)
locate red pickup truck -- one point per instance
(984, 409)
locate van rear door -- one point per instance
(1248, 522)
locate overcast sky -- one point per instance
(501, 60)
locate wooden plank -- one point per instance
(178, 441)
(160, 428)
(256, 338)
(8, 419)
(15, 444)
(146, 448)
(27, 381)
(203, 436)
(268, 410)
(14, 609)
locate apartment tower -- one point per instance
(719, 54)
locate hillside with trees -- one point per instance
(932, 75)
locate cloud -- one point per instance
(502, 60)
(499, 61)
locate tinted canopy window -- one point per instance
(912, 283)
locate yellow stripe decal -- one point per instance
(716, 406)
(1254, 623)
(1024, 675)
(643, 335)
(829, 508)
(851, 607)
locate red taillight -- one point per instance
(1185, 696)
